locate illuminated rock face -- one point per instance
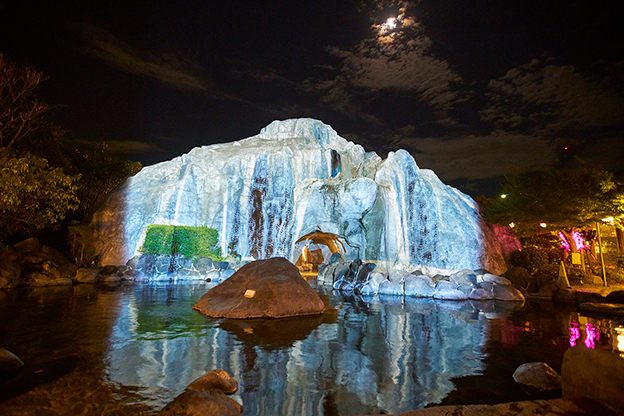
(296, 177)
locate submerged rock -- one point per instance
(9, 361)
(202, 403)
(270, 288)
(538, 376)
(615, 309)
(593, 374)
(206, 396)
(215, 380)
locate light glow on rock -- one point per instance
(264, 193)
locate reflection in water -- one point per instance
(361, 358)
(575, 333)
(592, 334)
(140, 345)
(590, 328)
(618, 339)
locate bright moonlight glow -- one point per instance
(390, 24)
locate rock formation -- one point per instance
(206, 396)
(538, 376)
(298, 177)
(29, 263)
(270, 288)
(359, 278)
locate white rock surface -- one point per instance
(448, 291)
(390, 288)
(295, 177)
(419, 287)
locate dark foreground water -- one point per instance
(131, 349)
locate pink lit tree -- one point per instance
(557, 200)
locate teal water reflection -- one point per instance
(361, 357)
(142, 344)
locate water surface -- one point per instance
(134, 347)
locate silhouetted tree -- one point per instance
(560, 198)
(21, 112)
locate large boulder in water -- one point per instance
(270, 288)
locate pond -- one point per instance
(132, 348)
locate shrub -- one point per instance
(197, 242)
(190, 242)
(158, 239)
(531, 258)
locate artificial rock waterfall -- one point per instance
(296, 177)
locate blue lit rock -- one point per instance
(419, 287)
(464, 276)
(457, 286)
(388, 287)
(489, 277)
(297, 176)
(398, 276)
(480, 294)
(449, 291)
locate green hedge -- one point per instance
(191, 242)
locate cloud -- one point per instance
(121, 147)
(337, 95)
(548, 99)
(410, 69)
(168, 68)
(398, 61)
(477, 157)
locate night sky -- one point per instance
(471, 88)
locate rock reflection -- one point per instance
(271, 334)
(364, 356)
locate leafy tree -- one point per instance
(560, 198)
(43, 180)
(33, 195)
(100, 174)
